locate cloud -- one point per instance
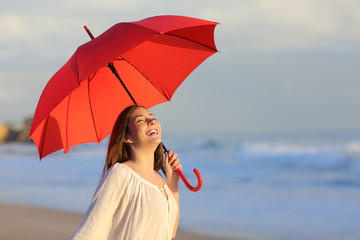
(13, 27)
(9, 96)
(263, 25)
(247, 25)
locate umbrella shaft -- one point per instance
(165, 150)
(114, 71)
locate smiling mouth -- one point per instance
(152, 132)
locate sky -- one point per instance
(284, 66)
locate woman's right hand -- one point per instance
(172, 163)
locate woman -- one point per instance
(132, 200)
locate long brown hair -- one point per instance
(118, 151)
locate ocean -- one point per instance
(304, 186)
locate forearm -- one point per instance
(171, 164)
(176, 196)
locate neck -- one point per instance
(143, 157)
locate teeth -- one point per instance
(152, 132)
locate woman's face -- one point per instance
(144, 128)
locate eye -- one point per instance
(139, 120)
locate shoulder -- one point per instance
(117, 167)
(118, 171)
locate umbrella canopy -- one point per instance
(152, 57)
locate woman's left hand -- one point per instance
(172, 163)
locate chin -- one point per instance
(156, 140)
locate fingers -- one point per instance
(176, 164)
(166, 158)
(171, 158)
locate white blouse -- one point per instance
(125, 206)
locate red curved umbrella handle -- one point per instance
(187, 184)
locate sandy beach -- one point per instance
(33, 223)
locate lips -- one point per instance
(152, 132)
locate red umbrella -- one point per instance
(141, 62)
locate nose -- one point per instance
(151, 121)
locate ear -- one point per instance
(128, 140)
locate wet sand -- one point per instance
(33, 223)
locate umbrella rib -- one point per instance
(43, 136)
(213, 49)
(91, 110)
(67, 125)
(162, 93)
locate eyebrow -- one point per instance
(143, 115)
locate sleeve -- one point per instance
(98, 219)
